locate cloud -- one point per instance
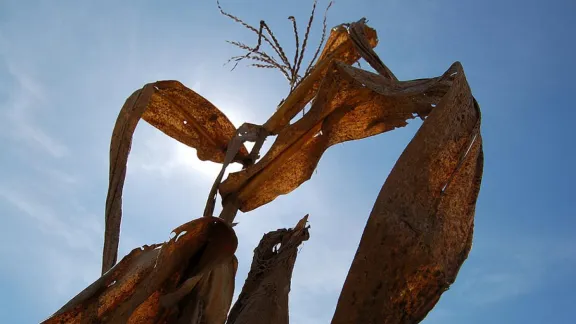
(69, 273)
(500, 271)
(61, 176)
(74, 233)
(53, 251)
(499, 285)
(27, 96)
(37, 137)
(155, 152)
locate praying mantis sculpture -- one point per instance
(417, 236)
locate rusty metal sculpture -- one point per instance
(418, 234)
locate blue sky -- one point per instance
(66, 68)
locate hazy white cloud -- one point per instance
(26, 83)
(53, 253)
(37, 137)
(507, 271)
(26, 96)
(494, 287)
(75, 233)
(62, 176)
(160, 154)
(68, 273)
